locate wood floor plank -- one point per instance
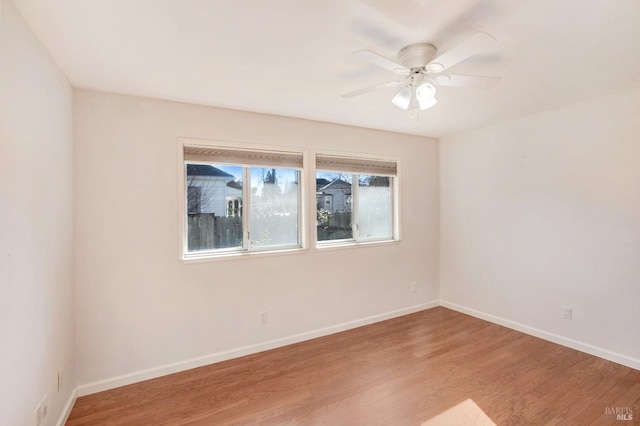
(402, 371)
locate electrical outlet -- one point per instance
(566, 312)
(263, 317)
(413, 286)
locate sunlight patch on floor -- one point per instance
(465, 413)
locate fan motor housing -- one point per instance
(417, 55)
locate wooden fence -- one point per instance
(336, 226)
(340, 220)
(208, 231)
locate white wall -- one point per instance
(140, 307)
(544, 212)
(36, 226)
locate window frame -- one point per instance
(394, 188)
(247, 249)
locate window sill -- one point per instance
(235, 255)
(354, 244)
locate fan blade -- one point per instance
(475, 44)
(476, 81)
(383, 62)
(371, 89)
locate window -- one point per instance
(241, 200)
(354, 199)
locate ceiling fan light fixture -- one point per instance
(402, 99)
(413, 97)
(426, 95)
(427, 103)
(425, 91)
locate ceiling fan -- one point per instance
(424, 70)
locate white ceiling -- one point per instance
(294, 57)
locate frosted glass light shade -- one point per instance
(427, 103)
(410, 97)
(402, 99)
(425, 93)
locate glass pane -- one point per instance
(333, 206)
(274, 207)
(214, 206)
(374, 207)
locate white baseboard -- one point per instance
(151, 373)
(64, 416)
(551, 337)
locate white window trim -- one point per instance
(396, 212)
(245, 252)
(356, 239)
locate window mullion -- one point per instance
(392, 210)
(354, 207)
(246, 208)
(301, 209)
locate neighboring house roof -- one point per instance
(336, 184)
(206, 170)
(234, 184)
(321, 182)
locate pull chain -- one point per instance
(415, 115)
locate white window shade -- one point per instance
(366, 166)
(243, 157)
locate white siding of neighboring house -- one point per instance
(340, 197)
(214, 193)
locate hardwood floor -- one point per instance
(398, 372)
